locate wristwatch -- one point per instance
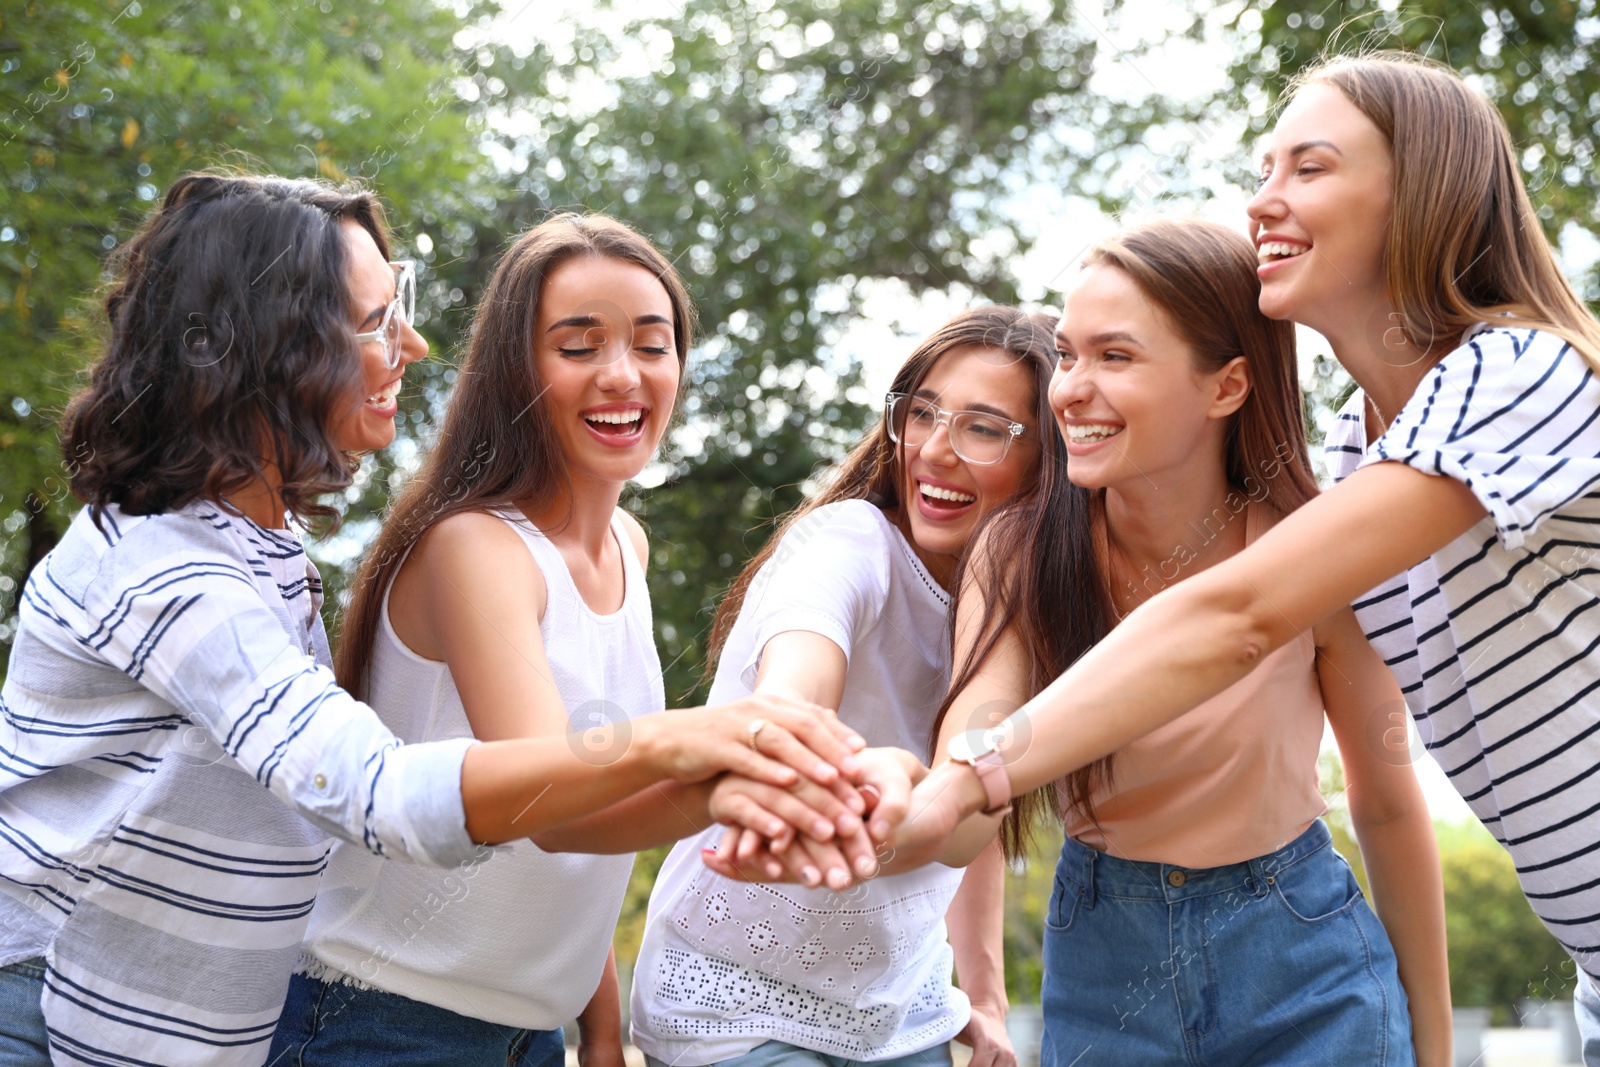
(976, 748)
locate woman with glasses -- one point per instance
(176, 756)
(847, 606)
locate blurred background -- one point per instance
(833, 178)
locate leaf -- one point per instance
(130, 132)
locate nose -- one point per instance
(1069, 387)
(413, 346)
(1267, 205)
(619, 373)
(937, 449)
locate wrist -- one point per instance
(965, 787)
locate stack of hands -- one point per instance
(806, 801)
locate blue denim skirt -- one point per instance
(329, 1024)
(1277, 960)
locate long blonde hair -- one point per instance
(1464, 241)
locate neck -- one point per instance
(1161, 535)
(260, 501)
(1382, 360)
(579, 518)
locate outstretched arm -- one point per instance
(1192, 641)
(976, 921)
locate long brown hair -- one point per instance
(1464, 242)
(873, 469)
(1045, 573)
(230, 348)
(497, 447)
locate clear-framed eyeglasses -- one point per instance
(976, 436)
(401, 310)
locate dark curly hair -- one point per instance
(230, 352)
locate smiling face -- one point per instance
(1321, 218)
(1131, 403)
(608, 363)
(372, 288)
(946, 495)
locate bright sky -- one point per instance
(1064, 226)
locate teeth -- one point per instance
(1091, 432)
(615, 418)
(385, 395)
(1270, 249)
(936, 493)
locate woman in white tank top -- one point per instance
(847, 606)
(505, 597)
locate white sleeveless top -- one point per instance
(517, 936)
(862, 974)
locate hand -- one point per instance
(749, 856)
(986, 1034)
(888, 775)
(938, 804)
(776, 814)
(796, 739)
(603, 1052)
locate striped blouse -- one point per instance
(1494, 638)
(175, 759)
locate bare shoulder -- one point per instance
(636, 534)
(474, 547)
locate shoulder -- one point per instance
(1493, 354)
(473, 543)
(854, 518)
(636, 536)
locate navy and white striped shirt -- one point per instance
(1495, 639)
(175, 758)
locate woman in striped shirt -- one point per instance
(176, 755)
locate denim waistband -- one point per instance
(1095, 872)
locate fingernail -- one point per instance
(856, 803)
(857, 741)
(825, 772)
(708, 852)
(850, 765)
(822, 829)
(774, 828)
(866, 867)
(838, 878)
(848, 824)
(811, 875)
(774, 870)
(880, 829)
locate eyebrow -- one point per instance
(1302, 148)
(987, 409)
(373, 315)
(594, 320)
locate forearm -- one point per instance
(657, 815)
(514, 789)
(601, 1018)
(976, 924)
(1402, 862)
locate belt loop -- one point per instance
(1089, 862)
(1261, 869)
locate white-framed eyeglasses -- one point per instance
(402, 309)
(976, 436)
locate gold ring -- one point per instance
(756, 726)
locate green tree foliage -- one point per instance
(103, 104)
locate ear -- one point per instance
(1229, 388)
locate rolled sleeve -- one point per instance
(1512, 415)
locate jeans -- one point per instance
(1586, 1002)
(329, 1023)
(783, 1054)
(1277, 960)
(23, 1042)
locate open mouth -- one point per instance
(1092, 433)
(1278, 251)
(939, 498)
(386, 396)
(616, 423)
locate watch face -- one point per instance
(969, 745)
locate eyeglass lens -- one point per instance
(975, 437)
